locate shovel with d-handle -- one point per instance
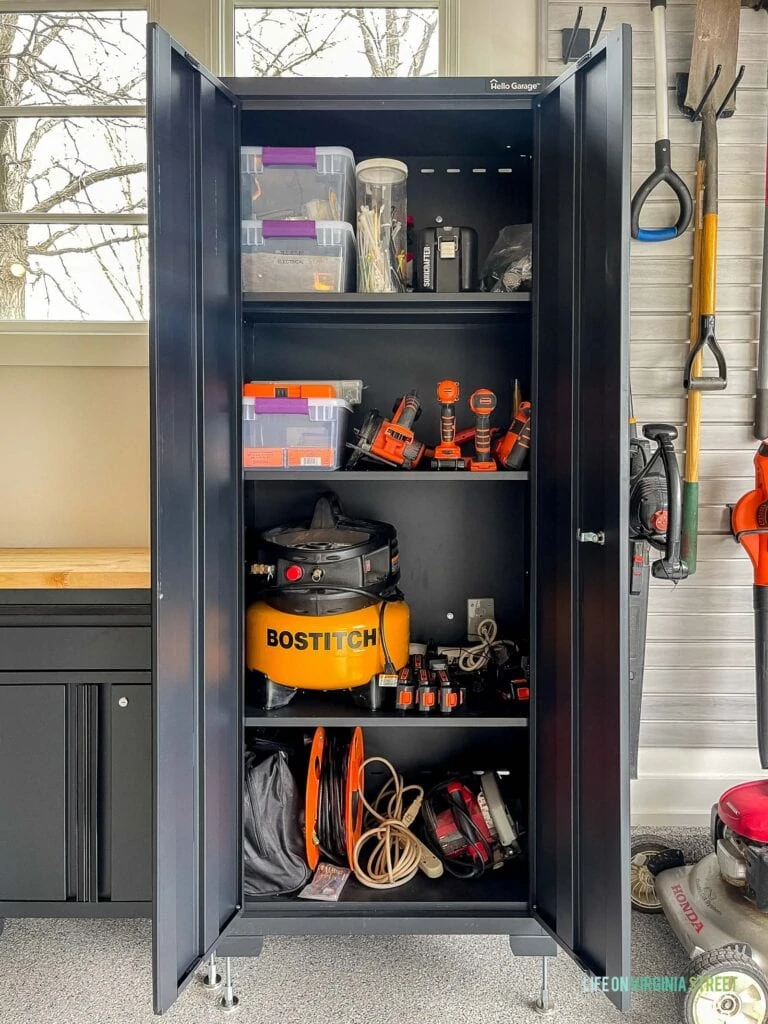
(663, 173)
(690, 533)
(712, 85)
(711, 88)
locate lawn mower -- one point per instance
(717, 908)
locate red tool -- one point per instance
(447, 453)
(749, 525)
(482, 403)
(512, 450)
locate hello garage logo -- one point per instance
(513, 85)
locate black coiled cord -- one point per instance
(331, 808)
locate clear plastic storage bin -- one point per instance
(294, 433)
(305, 183)
(381, 226)
(298, 256)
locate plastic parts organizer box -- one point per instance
(350, 390)
(305, 183)
(294, 433)
(298, 256)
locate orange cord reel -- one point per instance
(353, 803)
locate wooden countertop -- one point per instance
(74, 568)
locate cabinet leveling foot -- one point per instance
(211, 979)
(229, 1001)
(545, 1003)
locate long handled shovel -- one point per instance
(693, 430)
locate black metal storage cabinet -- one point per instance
(550, 547)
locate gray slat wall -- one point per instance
(699, 684)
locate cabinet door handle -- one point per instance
(586, 537)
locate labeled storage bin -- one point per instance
(297, 183)
(294, 433)
(350, 390)
(298, 256)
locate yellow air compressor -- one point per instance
(329, 615)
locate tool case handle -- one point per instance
(663, 174)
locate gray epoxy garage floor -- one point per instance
(73, 972)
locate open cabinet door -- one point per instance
(196, 509)
(580, 779)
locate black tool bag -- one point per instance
(274, 857)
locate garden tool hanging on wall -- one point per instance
(709, 94)
(663, 173)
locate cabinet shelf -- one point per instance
(505, 888)
(309, 711)
(350, 307)
(505, 476)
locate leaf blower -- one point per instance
(749, 526)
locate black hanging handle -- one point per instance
(671, 566)
(663, 174)
(708, 340)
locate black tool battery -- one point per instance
(446, 259)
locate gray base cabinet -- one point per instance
(75, 755)
(33, 798)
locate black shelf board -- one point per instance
(506, 887)
(502, 476)
(308, 711)
(351, 307)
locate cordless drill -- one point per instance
(482, 403)
(749, 526)
(447, 453)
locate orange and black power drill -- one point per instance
(391, 442)
(447, 453)
(513, 448)
(482, 403)
(749, 526)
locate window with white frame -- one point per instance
(378, 38)
(73, 191)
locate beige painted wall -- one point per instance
(74, 460)
(75, 454)
(498, 38)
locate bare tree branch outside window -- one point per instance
(336, 41)
(54, 165)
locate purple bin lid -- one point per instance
(297, 406)
(291, 156)
(288, 229)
